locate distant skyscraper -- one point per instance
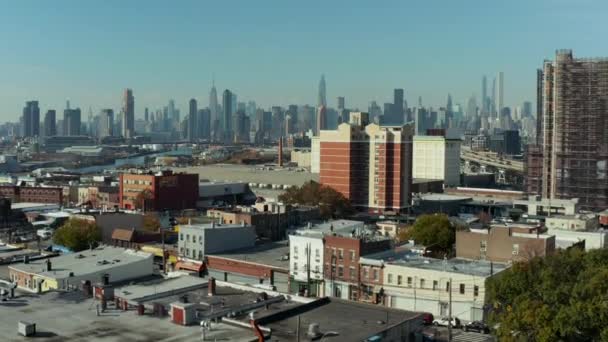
(322, 100)
(203, 121)
(397, 115)
(146, 115)
(321, 119)
(484, 95)
(374, 112)
(71, 121)
(50, 126)
(500, 91)
(227, 102)
(493, 104)
(31, 119)
(340, 103)
(192, 122)
(449, 110)
(128, 111)
(215, 117)
(106, 123)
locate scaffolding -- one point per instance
(575, 130)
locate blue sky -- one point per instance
(275, 51)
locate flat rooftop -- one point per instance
(341, 321)
(338, 227)
(72, 317)
(250, 174)
(98, 259)
(443, 197)
(408, 258)
(271, 254)
(148, 290)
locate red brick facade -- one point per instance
(168, 191)
(32, 194)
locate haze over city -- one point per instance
(274, 52)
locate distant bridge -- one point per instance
(507, 171)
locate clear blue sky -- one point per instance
(275, 51)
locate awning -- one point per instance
(190, 266)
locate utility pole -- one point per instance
(298, 330)
(307, 270)
(450, 313)
(162, 237)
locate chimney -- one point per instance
(49, 266)
(281, 151)
(211, 287)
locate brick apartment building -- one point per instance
(34, 194)
(166, 190)
(503, 244)
(369, 164)
(342, 271)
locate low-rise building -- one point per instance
(198, 240)
(35, 194)
(69, 270)
(579, 222)
(417, 283)
(163, 191)
(504, 243)
(271, 220)
(390, 228)
(437, 157)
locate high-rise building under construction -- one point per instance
(574, 128)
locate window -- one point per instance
(200, 239)
(352, 255)
(340, 254)
(399, 280)
(341, 271)
(421, 283)
(461, 288)
(200, 255)
(390, 278)
(295, 253)
(475, 290)
(435, 285)
(409, 281)
(317, 253)
(376, 273)
(317, 269)
(181, 237)
(365, 273)
(295, 267)
(333, 270)
(193, 254)
(353, 273)
(187, 237)
(447, 286)
(187, 252)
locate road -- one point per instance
(492, 159)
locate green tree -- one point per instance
(331, 203)
(77, 234)
(433, 230)
(562, 297)
(151, 222)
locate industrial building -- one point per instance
(68, 271)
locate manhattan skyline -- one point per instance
(274, 53)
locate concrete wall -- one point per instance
(297, 254)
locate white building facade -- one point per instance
(436, 157)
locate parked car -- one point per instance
(443, 321)
(477, 326)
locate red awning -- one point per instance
(190, 266)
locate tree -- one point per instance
(433, 230)
(142, 201)
(331, 203)
(77, 235)
(151, 222)
(561, 297)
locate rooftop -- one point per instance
(408, 258)
(346, 320)
(251, 174)
(98, 259)
(272, 254)
(443, 197)
(211, 225)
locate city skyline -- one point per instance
(281, 61)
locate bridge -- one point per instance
(507, 171)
